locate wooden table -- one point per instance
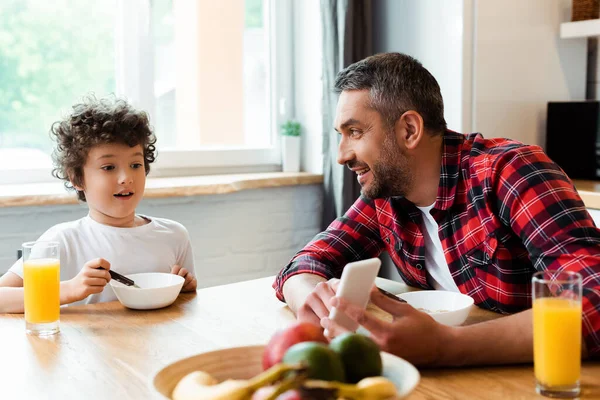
(105, 351)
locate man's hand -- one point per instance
(412, 335)
(92, 279)
(190, 283)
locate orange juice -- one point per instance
(41, 281)
(557, 341)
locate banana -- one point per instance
(375, 388)
(200, 385)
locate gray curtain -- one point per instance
(347, 38)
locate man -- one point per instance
(455, 212)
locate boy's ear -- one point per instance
(75, 184)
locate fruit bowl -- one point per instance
(246, 362)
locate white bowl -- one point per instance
(448, 308)
(157, 290)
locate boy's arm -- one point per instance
(352, 237)
(185, 262)
(12, 294)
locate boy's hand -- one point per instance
(90, 280)
(190, 283)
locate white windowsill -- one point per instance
(54, 193)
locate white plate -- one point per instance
(404, 375)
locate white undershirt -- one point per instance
(435, 262)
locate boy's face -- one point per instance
(114, 179)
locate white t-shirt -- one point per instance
(435, 262)
(153, 247)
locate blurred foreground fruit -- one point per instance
(290, 395)
(322, 362)
(265, 392)
(201, 386)
(376, 388)
(360, 356)
(281, 341)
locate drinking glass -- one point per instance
(41, 284)
(557, 333)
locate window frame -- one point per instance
(134, 48)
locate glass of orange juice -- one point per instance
(557, 333)
(41, 284)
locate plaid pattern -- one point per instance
(504, 211)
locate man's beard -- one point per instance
(390, 174)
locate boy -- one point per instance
(104, 151)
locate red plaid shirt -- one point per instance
(504, 211)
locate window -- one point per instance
(213, 75)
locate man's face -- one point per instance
(370, 149)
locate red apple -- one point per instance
(284, 339)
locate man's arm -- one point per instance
(540, 204)
(504, 340)
(512, 339)
(297, 288)
(353, 237)
(418, 338)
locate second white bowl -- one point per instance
(448, 308)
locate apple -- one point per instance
(284, 339)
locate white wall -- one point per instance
(432, 32)
(521, 64)
(497, 63)
(238, 236)
(595, 214)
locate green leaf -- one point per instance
(291, 128)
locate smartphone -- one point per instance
(355, 286)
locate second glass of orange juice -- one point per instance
(41, 284)
(557, 333)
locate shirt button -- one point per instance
(487, 257)
(419, 267)
(387, 240)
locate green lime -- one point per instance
(360, 355)
(323, 363)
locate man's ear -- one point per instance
(411, 128)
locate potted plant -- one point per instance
(290, 146)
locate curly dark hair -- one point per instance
(94, 122)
